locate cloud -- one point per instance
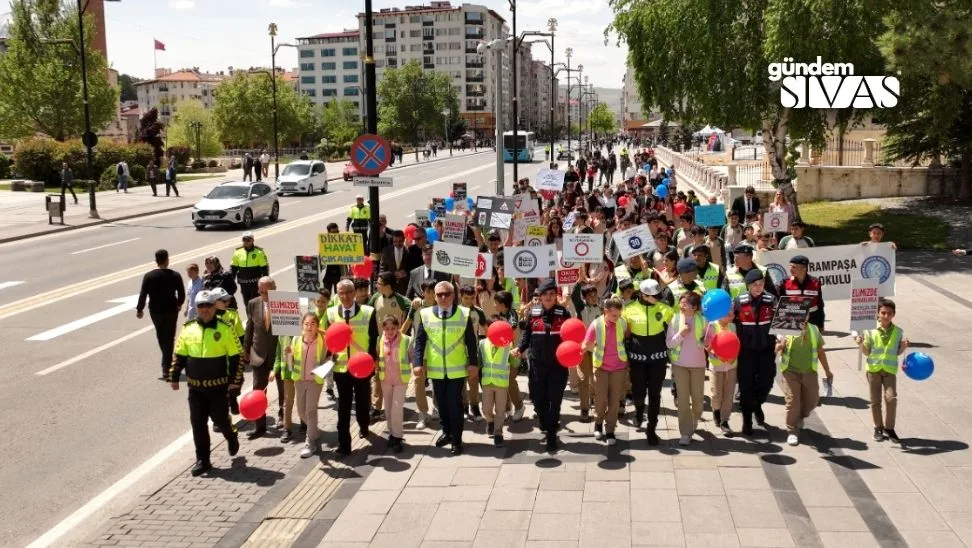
(286, 4)
(182, 4)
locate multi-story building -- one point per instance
(331, 67)
(168, 88)
(541, 99)
(632, 116)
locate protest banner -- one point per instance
(285, 313)
(454, 259)
(636, 240)
(454, 229)
(775, 222)
(536, 236)
(569, 221)
(551, 179)
(864, 304)
(340, 248)
(484, 266)
(790, 315)
(438, 205)
(836, 266)
(528, 262)
(308, 269)
(422, 217)
(710, 215)
(584, 248)
(459, 191)
(568, 273)
(495, 212)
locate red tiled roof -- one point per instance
(342, 34)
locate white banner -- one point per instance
(551, 179)
(454, 229)
(864, 304)
(285, 313)
(454, 259)
(837, 266)
(584, 248)
(528, 262)
(636, 240)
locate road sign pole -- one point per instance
(371, 102)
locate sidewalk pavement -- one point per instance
(838, 488)
(23, 214)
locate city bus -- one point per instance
(526, 142)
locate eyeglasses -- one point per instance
(443, 295)
(204, 305)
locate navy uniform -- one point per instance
(757, 356)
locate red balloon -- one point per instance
(547, 194)
(623, 201)
(500, 333)
(573, 330)
(570, 354)
(253, 405)
(679, 208)
(364, 269)
(725, 345)
(337, 337)
(409, 232)
(361, 365)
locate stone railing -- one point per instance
(705, 180)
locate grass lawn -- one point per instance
(838, 223)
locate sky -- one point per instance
(216, 34)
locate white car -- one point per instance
(236, 203)
(307, 176)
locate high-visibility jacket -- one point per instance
(445, 350)
(678, 289)
(232, 318)
(496, 364)
(647, 323)
(404, 367)
(510, 285)
(359, 333)
(250, 265)
(814, 335)
(600, 340)
(710, 277)
(714, 361)
(360, 216)
(699, 333)
(737, 280)
(296, 372)
(884, 349)
(210, 353)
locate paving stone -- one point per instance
(836, 519)
(607, 471)
(475, 476)
(604, 524)
(500, 539)
(819, 487)
(657, 534)
(431, 477)
(353, 528)
(467, 493)
(932, 539)
(606, 491)
(397, 540)
(755, 509)
(652, 480)
(707, 540)
(381, 479)
(911, 512)
(456, 521)
(562, 481)
(705, 514)
(371, 502)
(655, 505)
(518, 520)
(519, 475)
(844, 539)
(743, 479)
(552, 543)
(555, 527)
(512, 499)
(698, 482)
(420, 495)
(558, 502)
(768, 538)
(408, 518)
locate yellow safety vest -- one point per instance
(297, 346)
(678, 289)
(496, 364)
(714, 361)
(207, 349)
(232, 318)
(405, 368)
(445, 349)
(359, 333)
(360, 213)
(710, 278)
(646, 320)
(814, 336)
(699, 333)
(884, 350)
(600, 336)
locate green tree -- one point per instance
(126, 83)
(40, 76)
(150, 132)
(340, 121)
(410, 99)
(602, 119)
(707, 61)
(929, 45)
(182, 133)
(243, 111)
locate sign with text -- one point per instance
(422, 217)
(836, 266)
(380, 182)
(568, 273)
(308, 268)
(536, 236)
(551, 179)
(790, 316)
(710, 215)
(438, 205)
(526, 204)
(484, 266)
(285, 313)
(522, 222)
(775, 222)
(569, 221)
(864, 304)
(636, 240)
(455, 259)
(495, 212)
(454, 229)
(459, 191)
(528, 262)
(340, 248)
(584, 248)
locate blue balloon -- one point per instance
(450, 203)
(918, 366)
(668, 171)
(716, 304)
(470, 202)
(666, 180)
(646, 167)
(431, 235)
(662, 191)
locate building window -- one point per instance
(329, 66)
(305, 53)
(307, 80)
(350, 65)
(350, 78)
(310, 92)
(414, 33)
(328, 52)
(329, 93)
(329, 79)
(455, 31)
(350, 92)
(349, 52)
(307, 66)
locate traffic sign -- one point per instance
(370, 154)
(381, 182)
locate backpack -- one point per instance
(120, 170)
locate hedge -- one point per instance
(40, 159)
(4, 166)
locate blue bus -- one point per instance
(526, 142)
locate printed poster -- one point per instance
(308, 268)
(775, 222)
(551, 179)
(584, 248)
(285, 313)
(536, 236)
(461, 260)
(454, 229)
(495, 212)
(636, 240)
(459, 191)
(528, 262)
(864, 304)
(340, 248)
(568, 273)
(710, 215)
(790, 315)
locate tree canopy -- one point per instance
(126, 84)
(182, 133)
(602, 119)
(243, 110)
(339, 121)
(40, 74)
(410, 99)
(150, 132)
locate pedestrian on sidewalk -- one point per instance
(260, 348)
(166, 293)
(123, 174)
(152, 176)
(67, 182)
(258, 168)
(800, 355)
(302, 356)
(394, 374)
(882, 346)
(170, 176)
(265, 163)
(247, 167)
(723, 375)
(605, 340)
(685, 336)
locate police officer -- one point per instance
(757, 358)
(209, 352)
(231, 317)
(548, 379)
(736, 274)
(801, 283)
(248, 266)
(358, 218)
(647, 318)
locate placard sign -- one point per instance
(864, 304)
(584, 248)
(790, 315)
(536, 236)
(438, 205)
(569, 221)
(454, 229)
(528, 262)
(837, 266)
(550, 179)
(459, 191)
(308, 268)
(636, 240)
(567, 273)
(285, 313)
(454, 259)
(710, 215)
(776, 222)
(495, 212)
(525, 204)
(484, 266)
(340, 248)
(422, 217)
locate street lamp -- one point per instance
(551, 27)
(196, 126)
(445, 127)
(497, 46)
(273, 86)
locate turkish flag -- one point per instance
(159, 45)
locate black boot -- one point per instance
(200, 468)
(639, 414)
(747, 428)
(760, 417)
(717, 416)
(651, 435)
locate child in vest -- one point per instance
(410, 327)
(685, 336)
(584, 299)
(302, 356)
(605, 339)
(882, 346)
(495, 379)
(503, 303)
(470, 395)
(799, 357)
(321, 304)
(723, 375)
(394, 373)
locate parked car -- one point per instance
(236, 203)
(307, 176)
(350, 172)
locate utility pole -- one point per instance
(516, 110)
(371, 103)
(89, 138)
(552, 26)
(497, 46)
(273, 87)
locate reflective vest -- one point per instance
(279, 363)
(812, 289)
(600, 340)
(814, 336)
(710, 278)
(646, 320)
(359, 333)
(678, 289)
(510, 285)
(445, 350)
(884, 350)
(296, 373)
(249, 264)
(360, 216)
(496, 364)
(715, 362)
(737, 280)
(207, 349)
(404, 342)
(699, 333)
(232, 318)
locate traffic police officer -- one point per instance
(757, 357)
(248, 266)
(209, 352)
(358, 218)
(802, 284)
(647, 318)
(736, 274)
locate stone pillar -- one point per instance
(731, 174)
(868, 153)
(804, 154)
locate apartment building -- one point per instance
(540, 100)
(332, 67)
(169, 88)
(632, 115)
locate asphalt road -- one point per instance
(96, 411)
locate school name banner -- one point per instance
(837, 267)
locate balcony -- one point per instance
(474, 64)
(474, 35)
(474, 20)
(475, 79)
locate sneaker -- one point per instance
(890, 433)
(599, 432)
(286, 436)
(330, 393)
(685, 440)
(724, 426)
(420, 425)
(308, 451)
(585, 416)
(475, 412)
(792, 439)
(518, 413)
(498, 440)
(879, 434)
(490, 429)
(610, 438)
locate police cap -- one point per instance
(744, 249)
(548, 285)
(687, 265)
(203, 297)
(754, 275)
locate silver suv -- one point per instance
(308, 176)
(236, 203)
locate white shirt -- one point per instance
(795, 243)
(398, 256)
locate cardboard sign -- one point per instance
(568, 273)
(454, 229)
(636, 240)
(522, 222)
(461, 206)
(864, 304)
(528, 262)
(584, 248)
(422, 217)
(569, 221)
(790, 315)
(776, 222)
(710, 215)
(340, 248)
(484, 266)
(837, 266)
(438, 205)
(525, 204)
(308, 268)
(551, 179)
(536, 236)
(285, 313)
(495, 212)
(459, 191)
(454, 259)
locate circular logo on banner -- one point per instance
(777, 273)
(634, 242)
(443, 258)
(525, 261)
(582, 249)
(775, 222)
(480, 265)
(565, 264)
(877, 267)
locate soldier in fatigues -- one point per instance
(209, 352)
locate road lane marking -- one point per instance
(5, 285)
(60, 294)
(93, 351)
(126, 304)
(106, 245)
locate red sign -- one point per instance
(567, 273)
(370, 154)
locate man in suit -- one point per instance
(415, 250)
(423, 273)
(260, 348)
(394, 259)
(747, 203)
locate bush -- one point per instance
(236, 165)
(198, 164)
(138, 173)
(213, 163)
(4, 166)
(182, 154)
(40, 159)
(36, 159)
(109, 178)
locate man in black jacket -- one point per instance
(166, 293)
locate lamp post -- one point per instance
(497, 46)
(516, 110)
(551, 27)
(273, 86)
(445, 127)
(196, 126)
